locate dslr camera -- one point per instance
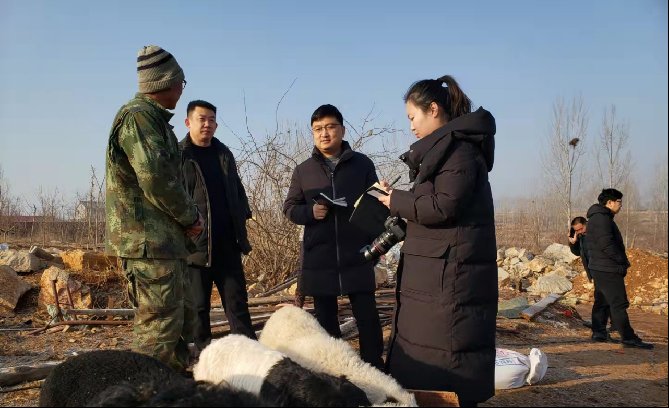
(394, 233)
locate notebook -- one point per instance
(369, 213)
(323, 199)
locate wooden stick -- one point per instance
(100, 312)
(15, 375)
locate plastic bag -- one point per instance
(513, 369)
(538, 366)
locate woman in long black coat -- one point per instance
(444, 329)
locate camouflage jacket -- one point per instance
(146, 204)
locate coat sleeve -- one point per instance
(241, 191)
(371, 175)
(605, 239)
(575, 248)
(454, 187)
(580, 249)
(158, 172)
(295, 206)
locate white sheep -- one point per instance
(297, 334)
(247, 365)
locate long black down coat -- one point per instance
(444, 329)
(606, 247)
(332, 263)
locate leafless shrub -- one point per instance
(659, 205)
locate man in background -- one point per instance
(608, 266)
(211, 179)
(578, 244)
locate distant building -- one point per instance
(87, 209)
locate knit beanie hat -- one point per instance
(157, 69)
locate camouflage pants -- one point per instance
(165, 317)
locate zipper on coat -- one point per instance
(206, 197)
(334, 196)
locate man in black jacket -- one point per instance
(608, 266)
(332, 264)
(578, 244)
(211, 178)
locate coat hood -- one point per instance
(599, 209)
(477, 127)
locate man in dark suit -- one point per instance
(608, 266)
(578, 245)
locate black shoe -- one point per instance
(600, 338)
(637, 343)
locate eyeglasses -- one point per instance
(329, 127)
(183, 85)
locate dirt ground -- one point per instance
(580, 373)
(585, 374)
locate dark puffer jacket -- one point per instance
(234, 193)
(332, 264)
(606, 248)
(444, 332)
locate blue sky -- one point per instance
(67, 66)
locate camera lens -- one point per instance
(380, 246)
(395, 232)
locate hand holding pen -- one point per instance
(385, 200)
(387, 186)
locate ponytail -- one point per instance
(450, 98)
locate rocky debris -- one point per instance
(559, 253)
(78, 260)
(12, 287)
(81, 294)
(502, 277)
(550, 283)
(558, 271)
(41, 253)
(512, 308)
(21, 261)
(380, 275)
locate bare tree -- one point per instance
(614, 160)
(94, 213)
(631, 211)
(9, 207)
(380, 144)
(51, 206)
(659, 204)
(561, 157)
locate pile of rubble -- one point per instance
(558, 271)
(62, 273)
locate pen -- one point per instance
(395, 181)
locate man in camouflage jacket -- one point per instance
(149, 213)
